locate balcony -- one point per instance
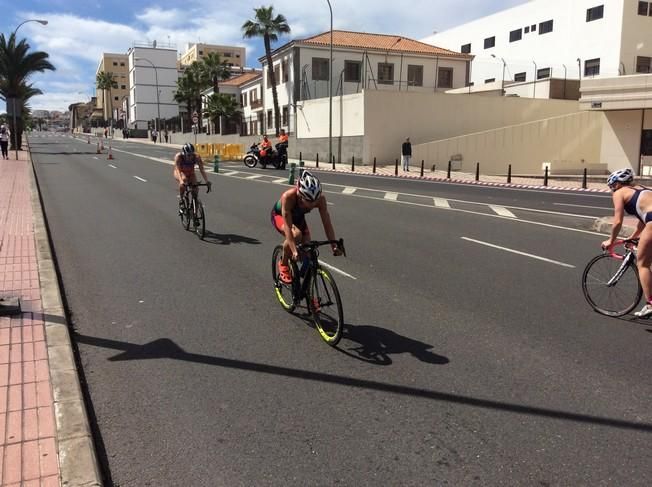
(256, 104)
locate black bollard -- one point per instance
(333, 162)
(448, 175)
(477, 171)
(545, 177)
(352, 163)
(396, 168)
(584, 185)
(374, 170)
(422, 163)
(300, 156)
(509, 174)
(317, 160)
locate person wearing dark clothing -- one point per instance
(406, 153)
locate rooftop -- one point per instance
(241, 79)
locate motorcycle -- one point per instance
(277, 158)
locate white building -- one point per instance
(361, 61)
(556, 38)
(152, 69)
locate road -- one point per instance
(462, 363)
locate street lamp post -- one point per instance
(579, 68)
(502, 84)
(534, 89)
(13, 98)
(330, 91)
(158, 102)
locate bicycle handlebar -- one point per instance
(196, 185)
(313, 244)
(629, 243)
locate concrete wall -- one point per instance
(312, 120)
(569, 143)
(389, 117)
(636, 36)
(621, 138)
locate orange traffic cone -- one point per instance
(98, 148)
(110, 153)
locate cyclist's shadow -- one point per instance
(228, 239)
(374, 344)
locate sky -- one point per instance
(79, 31)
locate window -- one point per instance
(269, 119)
(386, 73)
(489, 80)
(594, 13)
(284, 116)
(643, 8)
(592, 67)
(646, 143)
(643, 64)
(244, 99)
(543, 73)
(489, 42)
(123, 87)
(115, 98)
(115, 63)
(465, 49)
(201, 53)
(352, 71)
(286, 71)
(319, 69)
(520, 77)
(445, 78)
(527, 29)
(228, 54)
(515, 35)
(275, 73)
(122, 64)
(545, 27)
(533, 28)
(415, 75)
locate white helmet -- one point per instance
(624, 176)
(309, 186)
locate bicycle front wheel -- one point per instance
(284, 292)
(607, 293)
(184, 214)
(325, 306)
(200, 219)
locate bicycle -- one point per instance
(314, 284)
(191, 210)
(610, 280)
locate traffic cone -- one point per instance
(110, 153)
(98, 148)
(101, 144)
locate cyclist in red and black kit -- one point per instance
(184, 168)
(289, 219)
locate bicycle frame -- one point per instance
(627, 259)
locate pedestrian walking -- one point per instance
(406, 153)
(4, 141)
(154, 135)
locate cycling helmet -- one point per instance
(624, 176)
(309, 186)
(188, 149)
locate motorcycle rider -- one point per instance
(282, 148)
(265, 150)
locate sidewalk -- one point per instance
(44, 434)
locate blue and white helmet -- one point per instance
(188, 149)
(624, 176)
(309, 186)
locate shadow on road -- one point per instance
(166, 348)
(374, 344)
(228, 239)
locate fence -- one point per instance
(227, 152)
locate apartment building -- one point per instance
(118, 65)
(561, 39)
(232, 56)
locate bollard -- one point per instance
(509, 174)
(545, 177)
(333, 162)
(448, 174)
(300, 157)
(396, 168)
(88, 139)
(317, 160)
(293, 169)
(98, 148)
(301, 163)
(422, 163)
(216, 163)
(374, 169)
(352, 163)
(477, 171)
(584, 185)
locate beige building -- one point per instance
(233, 56)
(119, 66)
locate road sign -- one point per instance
(195, 119)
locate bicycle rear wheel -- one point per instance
(615, 299)
(325, 306)
(184, 214)
(199, 222)
(284, 292)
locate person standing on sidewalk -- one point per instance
(4, 140)
(406, 153)
(165, 135)
(636, 200)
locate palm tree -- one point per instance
(221, 105)
(189, 88)
(17, 64)
(106, 81)
(213, 70)
(267, 26)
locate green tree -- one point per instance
(213, 70)
(268, 27)
(106, 81)
(221, 105)
(189, 88)
(17, 65)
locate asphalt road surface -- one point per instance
(469, 357)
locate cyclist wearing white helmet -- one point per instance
(289, 219)
(184, 168)
(636, 200)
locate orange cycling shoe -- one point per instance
(284, 273)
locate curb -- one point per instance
(76, 451)
(603, 225)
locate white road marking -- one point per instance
(335, 269)
(349, 190)
(502, 211)
(441, 203)
(518, 252)
(391, 196)
(254, 176)
(94, 157)
(114, 167)
(230, 173)
(280, 181)
(584, 206)
(141, 179)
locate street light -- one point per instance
(534, 89)
(13, 98)
(158, 103)
(330, 91)
(502, 85)
(579, 68)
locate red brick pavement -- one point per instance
(28, 449)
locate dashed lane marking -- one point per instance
(349, 190)
(111, 165)
(441, 203)
(280, 181)
(254, 176)
(502, 211)
(391, 196)
(339, 271)
(584, 206)
(518, 252)
(141, 179)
